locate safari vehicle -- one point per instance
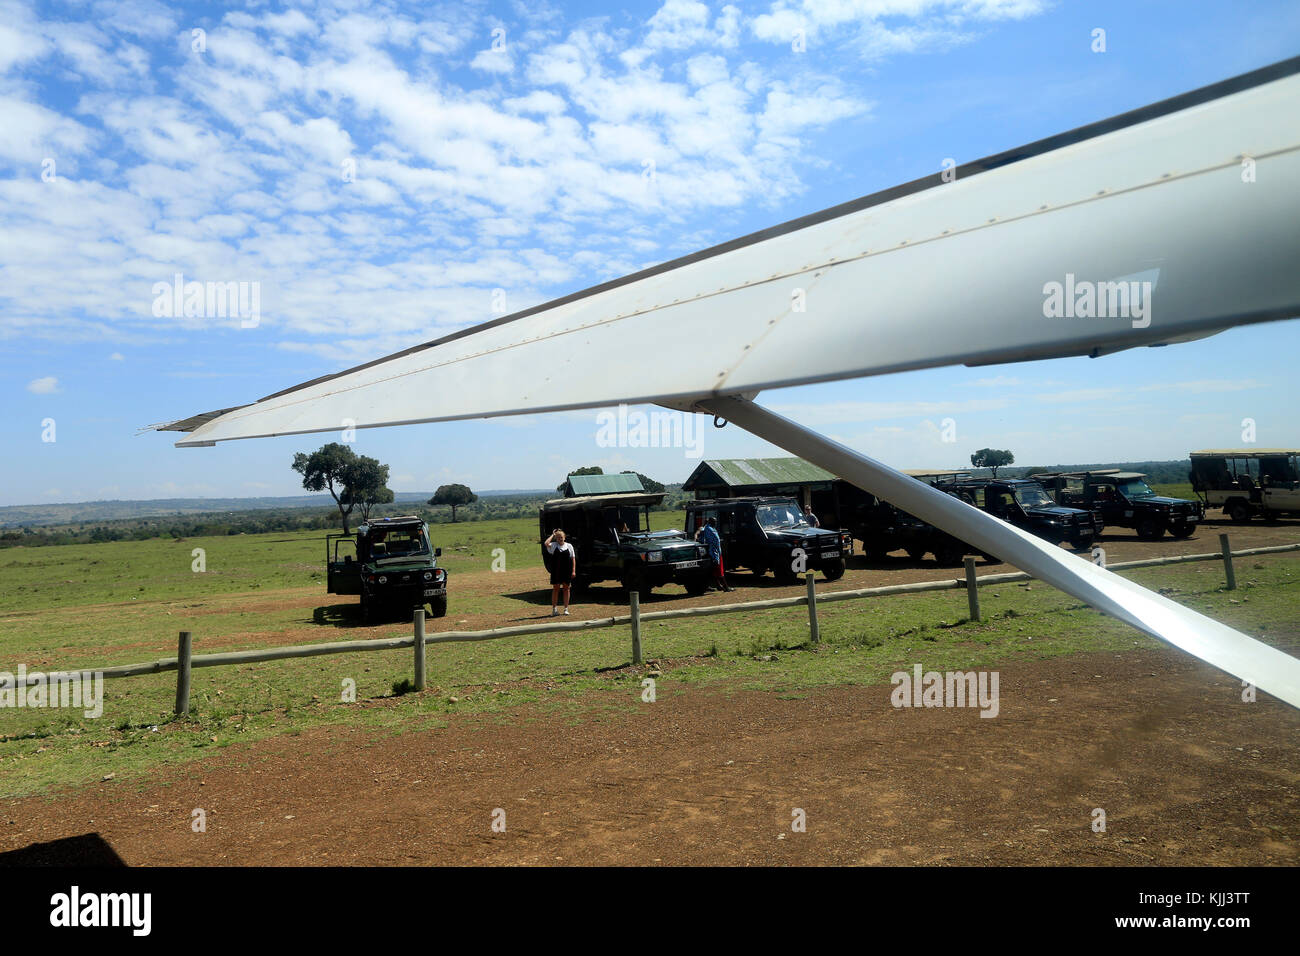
(1123, 499)
(882, 528)
(761, 534)
(390, 564)
(1246, 482)
(612, 540)
(1028, 506)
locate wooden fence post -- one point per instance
(183, 654)
(1227, 562)
(634, 601)
(814, 634)
(419, 648)
(972, 589)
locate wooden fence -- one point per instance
(185, 660)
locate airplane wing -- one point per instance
(1158, 226)
(1196, 196)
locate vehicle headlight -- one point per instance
(657, 556)
(383, 579)
(428, 575)
(701, 550)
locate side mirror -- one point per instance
(437, 552)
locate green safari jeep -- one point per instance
(390, 564)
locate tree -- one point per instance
(454, 495)
(563, 487)
(368, 485)
(993, 458)
(349, 478)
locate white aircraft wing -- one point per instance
(1196, 195)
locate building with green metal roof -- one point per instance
(810, 485)
(625, 483)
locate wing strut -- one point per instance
(1244, 657)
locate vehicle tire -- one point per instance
(874, 552)
(834, 571)
(1239, 511)
(1182, 530)
(915, 553)
(581, 584)
(634, 580)
(697, 585)
(368, 610)
(1149, 529)
(439, 606)
(1081, 544)
(785, 574)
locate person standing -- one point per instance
(564, 567)
(709, 537)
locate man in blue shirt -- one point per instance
(708, 536)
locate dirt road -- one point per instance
(1186, 773)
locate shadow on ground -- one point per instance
(89, 849)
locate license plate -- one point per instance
(686, 564)
(830, 554)
(434, 592)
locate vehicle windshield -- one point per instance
(1032, 496)
(398, 543)
(780, 517)
(1135, 488)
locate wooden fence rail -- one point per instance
(185, 660)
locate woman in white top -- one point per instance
(564, 566)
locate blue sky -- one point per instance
(380, 170)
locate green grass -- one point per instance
(127, 600)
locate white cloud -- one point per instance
(48, 385)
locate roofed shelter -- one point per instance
(620, 484)
(811, 486)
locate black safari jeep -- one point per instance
(1028, 506)
(390, 565)
(612, 539)
(761, 534)
(882, 528)
(1124, 499)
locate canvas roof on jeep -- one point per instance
(596, 502)
(394, 521)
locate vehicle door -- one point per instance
(342, 569)
(603, 547)
(1281, 490)
(1105, 499)
(750, 544)
(1001, 503)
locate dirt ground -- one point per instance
(1186, 772)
